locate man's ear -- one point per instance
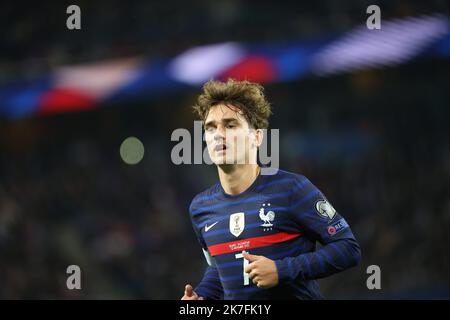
(259, 136)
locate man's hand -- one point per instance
(189, 294)
(262, 271)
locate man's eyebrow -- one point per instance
(210, 122)
(225, 120)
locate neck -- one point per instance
(235, 179)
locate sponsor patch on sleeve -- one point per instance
(336, 227)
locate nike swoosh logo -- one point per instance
(209, 227)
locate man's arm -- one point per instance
(210, 286)
(330, 259)
(340, 250)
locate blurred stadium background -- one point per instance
(364, 114)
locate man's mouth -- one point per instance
(220, 147)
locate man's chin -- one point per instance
(229, 162)
(223, 161)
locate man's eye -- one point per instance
(230, 126)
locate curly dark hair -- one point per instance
(247, 96)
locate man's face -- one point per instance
(229, 138)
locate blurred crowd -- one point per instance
(35, 39)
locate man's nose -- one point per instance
(220, 133)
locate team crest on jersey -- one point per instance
(237, 223)
(325, 209)
(266, 217)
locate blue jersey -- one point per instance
(281, 217)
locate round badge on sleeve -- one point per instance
(325, 209)
(331, 230)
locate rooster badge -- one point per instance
(267, 218)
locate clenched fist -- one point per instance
(189, 294)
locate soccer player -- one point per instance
(259, 232)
